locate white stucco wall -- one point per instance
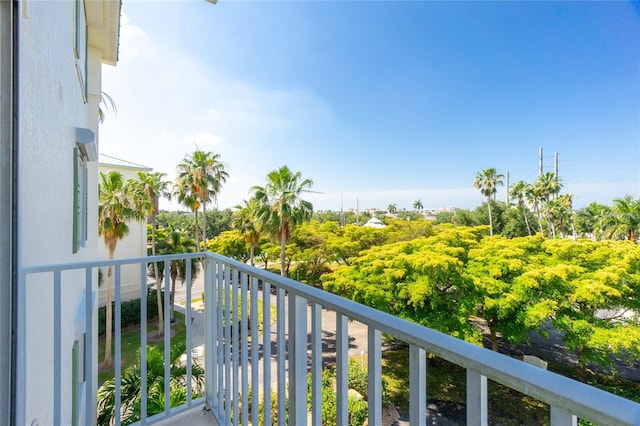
(131, 246)
(51, 106)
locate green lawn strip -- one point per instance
(130, 343)
(447, 382)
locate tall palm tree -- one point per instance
(245, 219)
(625, 215)
(131, 389)
(182, 191)
(118, 202)
(518, 190)
(417, 204)
(154, 186)
(205, 173)
(281, 207)
(487, 181)
(392, 208)
(173, 241)
(548, 185)
(534, 198)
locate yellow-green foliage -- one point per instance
(516, 285)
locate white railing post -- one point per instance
(374, 369)
(255, 351)
(476, 399)
(560, 417)
(266, 351)
(297, 360)
(417, 386)
(342, 369)
(143, 341)
(211, 335)
(281, 353)
(316, 365)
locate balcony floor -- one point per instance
(194, 417)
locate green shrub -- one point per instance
(130, 312)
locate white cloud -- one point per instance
(203, 141)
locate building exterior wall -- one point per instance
(58, 92)
(6, 210)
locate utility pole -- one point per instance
(342, 221)
(508, 204)
(555, 170)
(540, 166)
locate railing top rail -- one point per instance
(110, 262)
(590, 403)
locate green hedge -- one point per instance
(130, 312)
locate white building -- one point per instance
(134, 244)
(51, 54)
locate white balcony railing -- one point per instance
(237, 359)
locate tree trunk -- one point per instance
(252, 250)
(155, 274)
(494, 340)
(107, 361)
(173, 295)
(283, 245)
(490, 219)
(526, 220)
(197, 231)
(204, 226)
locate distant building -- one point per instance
(374, 222)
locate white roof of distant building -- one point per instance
(374, 222)
(117, 162)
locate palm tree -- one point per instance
(281, 207)
(392, 208)
(625, 215)
(548, 185)
(518, 190)
(245, 219)
(109, 104)
(487, 181)
(173, 241)
(154, 186)
(131, 391)
(561, 214)
(205, 173)
(534, 197)
(118, 202)
(417, 204)
(182, 191)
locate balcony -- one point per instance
(237, 356)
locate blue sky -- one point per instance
(382, 102)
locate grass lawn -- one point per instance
(446, 383)
(131, 343)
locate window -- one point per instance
(84, 152)
(81, 46)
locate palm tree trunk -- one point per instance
(251, 252)
(490, 219)
(539, 218)
(283, 245)
(155, 274)
(197, 231)
(204, 226)
(173, 295)
(526, 220)
(107, 361)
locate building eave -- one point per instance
(103, 20)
